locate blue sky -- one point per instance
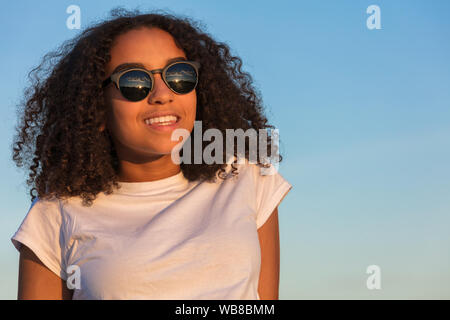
(364, 123)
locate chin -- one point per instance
(166, 150)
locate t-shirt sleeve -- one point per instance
(44, 232)
(270, 188)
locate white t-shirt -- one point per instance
(165, 239)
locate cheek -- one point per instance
(190, 112)
(122, 119)
(191, 107)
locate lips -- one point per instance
(150, 115)
(158, 127)
(157, 123)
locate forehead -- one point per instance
(151, 47)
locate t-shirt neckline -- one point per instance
(151, 187)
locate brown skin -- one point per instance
(269, 240)
(145, 155)
(37, 282)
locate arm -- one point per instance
(270, 258)
(37, 282)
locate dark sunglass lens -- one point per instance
(181, 77)
(135, 85)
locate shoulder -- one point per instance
(48, 207)
(46, 215)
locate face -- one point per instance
(134, 140)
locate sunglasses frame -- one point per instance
(115, 77)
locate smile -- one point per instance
(166, 123)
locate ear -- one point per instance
(101, 128)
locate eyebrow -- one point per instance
(128, 65)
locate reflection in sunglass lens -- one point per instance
(181, 77)
(135, 85)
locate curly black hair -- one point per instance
(58, 136)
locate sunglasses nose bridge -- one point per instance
(161, 75)
(152, 74)
(159, 71)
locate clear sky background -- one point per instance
(364, 123)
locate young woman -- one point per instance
(114, 216)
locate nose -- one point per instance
(161, 92)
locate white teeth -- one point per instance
(164, 119)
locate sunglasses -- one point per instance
(135, 84)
